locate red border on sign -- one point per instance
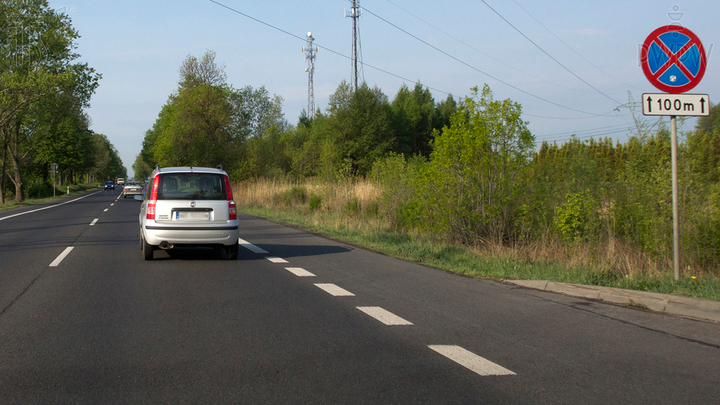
(674, 59)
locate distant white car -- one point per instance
(120, 181)
(132, 188)
(188, 206)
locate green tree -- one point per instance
(413, 115)
(36, 62)
(475, 179)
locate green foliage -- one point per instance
(315, 202)
(576, 219)
(473, 182)
(293, 196)
(372, 209)
(207, 122)
(43, 94)
(352, 207)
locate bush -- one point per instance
(38, 190)
(315, 202)
(295, 195)
(372, 209)
(352, 207)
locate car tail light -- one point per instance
(232, 208)
(152, 201)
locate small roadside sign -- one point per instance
(664, 104)
(53, 168)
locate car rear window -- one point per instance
(191, 186)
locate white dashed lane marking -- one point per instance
(384, 316)
(334, 290)
(105, 210)
(300, 272)
(249, 246)
(277, 259)
(94, 221)
(62, 256)
(470, 360)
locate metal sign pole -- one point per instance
(676, 221)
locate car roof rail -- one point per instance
(220, 167)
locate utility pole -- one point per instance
(310, 55)
(355, 13)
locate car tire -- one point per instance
(232, 252)
(147, 249)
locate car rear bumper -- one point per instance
(192, 235)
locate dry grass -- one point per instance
(334, 196)
(611, 256)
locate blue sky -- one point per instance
(138, 47)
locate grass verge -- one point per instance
(461, 260)
(74, 189)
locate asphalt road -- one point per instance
(334, 324)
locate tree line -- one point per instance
(208, 122)
(44, 92)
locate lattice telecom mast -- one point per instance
(310, 55)
(355, 13)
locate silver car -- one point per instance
(132, 188)
(188, 206)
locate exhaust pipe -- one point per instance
(164, 245)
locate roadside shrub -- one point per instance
(352, 207)
(372, 209)
(288, 198)
(315, 202)
(298, 195)
(38, 190)
(576, 218)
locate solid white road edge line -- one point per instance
(470, 360)
(299, 271)
(334, 290)
(249, 246)
(61, 257)
(46, 208)
(384, 316)
(94, 221)
(277, 260)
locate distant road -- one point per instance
(302, 319)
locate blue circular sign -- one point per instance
(673, 59)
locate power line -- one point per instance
(550, 56)
(569, 47)
(478, 70)
(485, 54)
(582, 137)
(613, 127)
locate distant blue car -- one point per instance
(109, 185)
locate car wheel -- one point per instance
(147, 249)
(232, 252)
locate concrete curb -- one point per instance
(667, 303)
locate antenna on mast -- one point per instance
(310, 55)
(355, 13)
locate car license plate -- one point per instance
(192, 215)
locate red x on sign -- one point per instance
(673, 59)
